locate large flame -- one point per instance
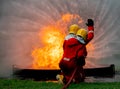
(52, 36)
(49, 55)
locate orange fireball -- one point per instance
(49, 55)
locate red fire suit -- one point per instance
(74, 50)
(90, 34)
(80, 75)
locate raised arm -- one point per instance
(90, 24)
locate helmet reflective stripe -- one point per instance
(73, 28)
(70, 36)
(80, 39)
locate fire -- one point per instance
(69, 17)
(49, 55)
(51, 37)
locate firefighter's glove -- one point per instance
(90, 22)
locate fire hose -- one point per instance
(71, 78)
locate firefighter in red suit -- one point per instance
(74, 48)
(81, 34)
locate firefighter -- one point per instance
(72, 35)
(71, 47)
(80, 60)
(84, 37)
(74, 52)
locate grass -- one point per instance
(30, 84)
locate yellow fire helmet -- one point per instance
(82, 32)
(73, 28)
